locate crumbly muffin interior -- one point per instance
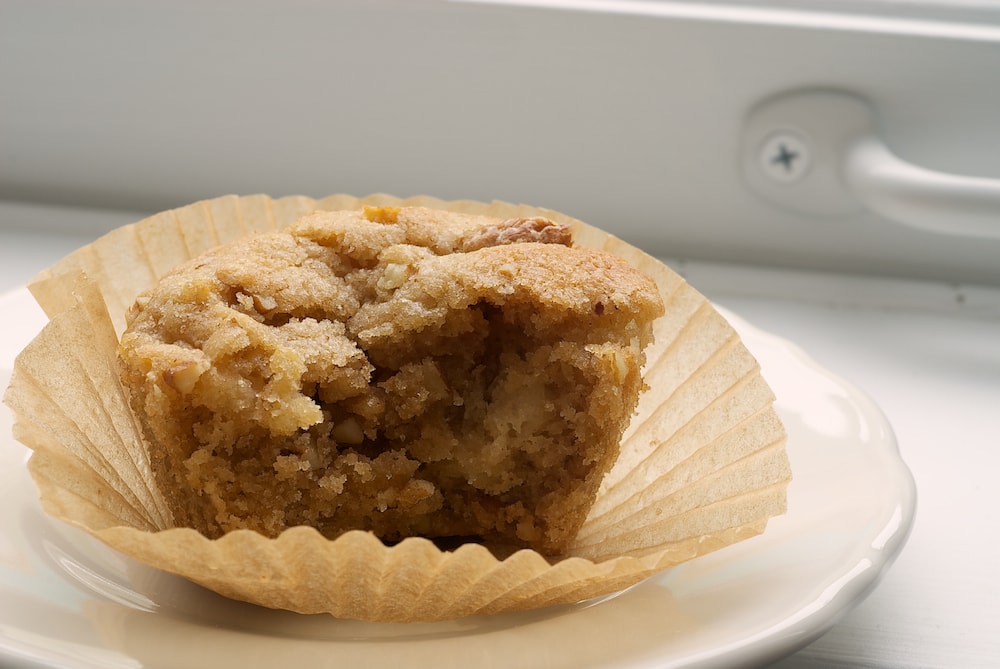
(410, 372)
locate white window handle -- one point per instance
(818, 152)
(922, 198)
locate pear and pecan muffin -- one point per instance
(406, 371)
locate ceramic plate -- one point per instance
(68, 601)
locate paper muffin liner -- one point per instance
(702, 464)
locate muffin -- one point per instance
(405, 371)
(701, 464)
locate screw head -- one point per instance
(784, 157)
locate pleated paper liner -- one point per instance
(702, 464)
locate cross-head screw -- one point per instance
(784, 157)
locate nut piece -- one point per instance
(348, 431)
(394, 276)
(183, 377)
(514, 230)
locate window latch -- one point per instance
(820, 153)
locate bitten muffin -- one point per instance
(406, 371)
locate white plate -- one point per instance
(66, 600)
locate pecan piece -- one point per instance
(515, 230)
